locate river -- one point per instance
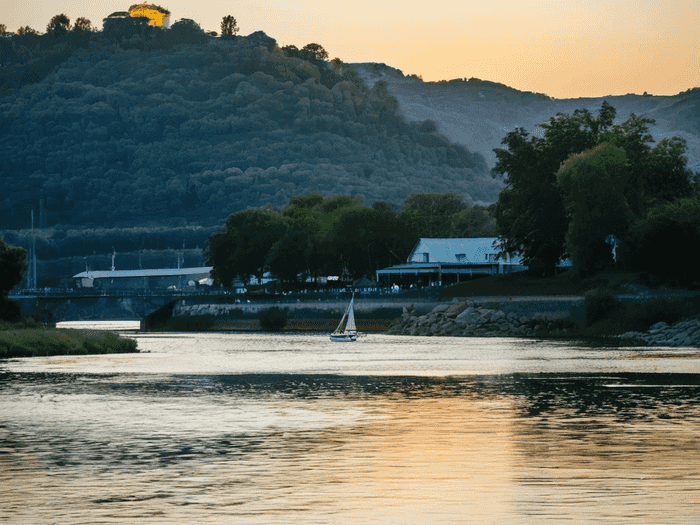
(284, 428)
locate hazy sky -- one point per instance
(564, 48)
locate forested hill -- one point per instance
(156, 133)
(478, 113)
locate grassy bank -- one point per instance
(28, 340)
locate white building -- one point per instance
(449, 261)
(160, 279)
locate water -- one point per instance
(252, 428)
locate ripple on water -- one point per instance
(220, 428)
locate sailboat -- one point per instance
(346, 331)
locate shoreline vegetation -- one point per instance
(27, 338)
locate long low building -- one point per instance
(449, 261)
(157, 279)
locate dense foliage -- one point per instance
(173, 127)
(597, 192)
(315, 235)
(13, 264)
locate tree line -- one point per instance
(600, 193)
(315, 235)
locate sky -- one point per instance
(563, 48)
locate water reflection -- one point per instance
(126, 445)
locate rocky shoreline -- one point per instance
(459, 319)
(465, 319)
(682, 333)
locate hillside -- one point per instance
(152, 132)
(478, 113)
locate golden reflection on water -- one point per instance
(428, 459)
(216, 436)
(614, 467)
(424, 460)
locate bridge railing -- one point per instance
(310, 295)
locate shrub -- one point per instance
(599, 304)
(9, 310)
(273, 319)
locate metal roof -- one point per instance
(165, 272)
(476, 250)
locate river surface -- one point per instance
(291, 428)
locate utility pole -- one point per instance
(33, 286)
(41, 209)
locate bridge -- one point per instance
(86, 304)
(59, 304)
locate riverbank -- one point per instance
(371, 315)
(20, 340)
(471, 319)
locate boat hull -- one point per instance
(343, 338)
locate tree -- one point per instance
(229, 27)
(13, 265)
(661, 243)
(186, 31)
(58, 25)
(530, 214)
(356, 240)
(314, 52)
(474, 222)
(82, 25)
(431, 214)
(26, 30)
(667, 177)
(337, 64)
(290, 51)
(3, 29)
(288, 256)
(241, 248)
(594, 187)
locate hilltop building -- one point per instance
(140, 19)
(157, 16)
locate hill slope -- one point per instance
(130, 134)
(478, 113)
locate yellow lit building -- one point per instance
(158, 16)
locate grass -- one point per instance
(20, 340)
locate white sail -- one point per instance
(350, 326)
(346, 330)
(341, 325)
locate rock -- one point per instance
(440, 308)
(456, 309)
(497, 316)
(466, 316)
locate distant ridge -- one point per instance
(478, 113)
